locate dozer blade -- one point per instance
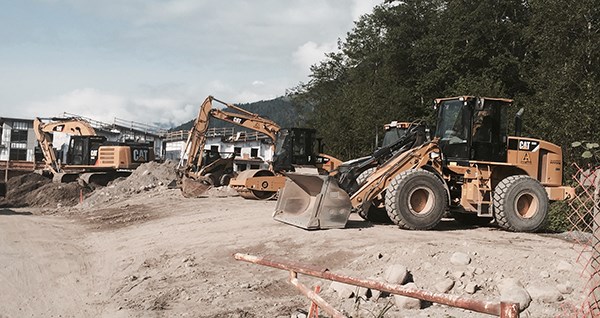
(312, 202)
(195, 187)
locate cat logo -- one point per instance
(140, 155)
(526, 158)
(524, 145)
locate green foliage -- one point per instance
(545, 54)
(590, 151)
(558, 219)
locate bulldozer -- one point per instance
(293, 149)
(471, 168)
(89, 157)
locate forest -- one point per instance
(543, 54)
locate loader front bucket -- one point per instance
(312, 202)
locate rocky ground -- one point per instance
(139, 249)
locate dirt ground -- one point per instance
(153, 253)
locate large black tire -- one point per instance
(364, 175)
(520, 204)
(416, 200)
(374, 214)
(225, 179)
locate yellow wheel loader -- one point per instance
(89, 157)
(294, 149)
(471, 168)
(394, 131)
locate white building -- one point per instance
(252, 150)
(17, 139)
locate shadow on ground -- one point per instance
(4, 211)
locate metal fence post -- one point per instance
(595, 261)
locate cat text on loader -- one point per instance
(88, 157)
(471, 168)
(290, 146)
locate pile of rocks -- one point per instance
(462, 279)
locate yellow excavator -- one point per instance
(89, 157)
(471, 168)
(293, 150)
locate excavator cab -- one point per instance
(83, 150)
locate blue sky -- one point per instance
(154, 61)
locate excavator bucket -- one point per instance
(312, 202)
(195, 187)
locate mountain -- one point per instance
(279, 110)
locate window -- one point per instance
(254, 167)
(214, 148)
(237, 151)
(241, 167)
(18, 135)
(18, 154)
(254, 153)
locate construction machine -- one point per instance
(393, 132)
(87, 157)
(292, 148)
(471, 168)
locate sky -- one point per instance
(154, 61)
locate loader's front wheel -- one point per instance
(520, 204)
(416, 200)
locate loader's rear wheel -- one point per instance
(520, 204)
(416, 200)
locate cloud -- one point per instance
(310, 53)
(105, 107)
(361, 7)
(156, 60)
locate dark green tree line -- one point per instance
(396, 60)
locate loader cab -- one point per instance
(472, 128)
(294, 146)
(393, 132)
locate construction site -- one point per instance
(434, 223)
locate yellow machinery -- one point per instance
(471, 168)
(293, 149)
(89, 156)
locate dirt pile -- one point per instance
(149, 177)
(34, 190)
